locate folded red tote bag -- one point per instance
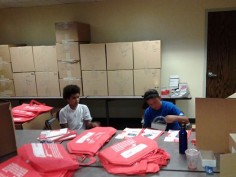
(47, 157)
(138, 155)
(90, 141)
(17, 167)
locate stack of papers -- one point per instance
(56, 135)
(132, 132)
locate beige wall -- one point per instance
(180, 24)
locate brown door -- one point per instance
(221, 54)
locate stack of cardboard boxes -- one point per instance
(93, 60)
(115, 69)
(35, 71)
(147, 66)
(46, 71)
(120, 68)
(68, 37)
(6, 77)
(23, 70)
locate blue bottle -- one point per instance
(183, 139)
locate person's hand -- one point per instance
(96, 124)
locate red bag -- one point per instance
(34, 106)
(27, 112)
(90, 141)
(138, 155)
(47, 157)
(17, 167)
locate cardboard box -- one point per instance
(145, 79)
(68, 51)
(22, 59)
(70, 81)
(7, 131)
(228, 165)
(93, 57)
(5, 70)
(7, 88)
(72, 31)
(147, 54)
(95, 83)
(45, 58)
(69, 69)
(25, 84)
(38, 123)
(232, 142)
(121, 82)
(5, 53)
(119, 56)
(215, 120)
(47, 84)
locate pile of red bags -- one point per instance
(27, 112)
(138, 155)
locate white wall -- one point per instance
(180, 24)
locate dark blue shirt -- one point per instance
(167, 108)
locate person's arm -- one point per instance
(63, 120)
(88, 119)
(89, 124)
(173, 118)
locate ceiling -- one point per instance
(31, 3)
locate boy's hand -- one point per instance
(96, 124)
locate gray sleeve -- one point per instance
(62, 117)
(86, 113)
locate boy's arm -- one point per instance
(89, 124)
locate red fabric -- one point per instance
(90, 141)
(34, 106)
(16, 166)
(27, 112)
(47, 157)
(138, 155)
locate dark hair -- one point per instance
(70, 90)
(151, 93)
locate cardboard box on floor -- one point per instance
(69, 69)
(93, 57)
(95, 83)
(215, 120)
(22, 59)
(7, 88)
(120, 82)
(70, 81)
(25, 84)
(68, 51)
(45, 58)
(7, 131)
(37, 123)
(5, 70)
(147, 54)
(145, 79)
(47, 84)
(72, 31)
(119, 56)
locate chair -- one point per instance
(53, 122)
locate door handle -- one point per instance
(210, 74)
